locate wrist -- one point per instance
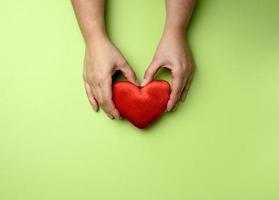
(95, 34)
(174, 34)
(96, 39)
(174, 29)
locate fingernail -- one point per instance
(118, 117)
(137, 83)
(95, 109)
(110, 116)
(144, 82)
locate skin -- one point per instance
(173, 52)
(102, 59)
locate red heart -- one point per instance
(141, 105)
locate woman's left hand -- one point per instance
(173, 53)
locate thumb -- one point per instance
(150, 73)
(129, 74)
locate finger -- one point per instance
(186, 88)
(129, 74)
(106, 99)
(183, 94)
(150, 73)
(97, 94)
(100, 100)
(176, 89)
(91, 97)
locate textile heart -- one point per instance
(141, 105)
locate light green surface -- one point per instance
(222, 144)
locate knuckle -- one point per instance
(90, 77)
(123, 64)
(183, 69)
(99, 80)
(177, 73)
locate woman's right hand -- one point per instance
(102, 60)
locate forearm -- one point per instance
(179, 13)
(90, 16)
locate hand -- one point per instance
(102, 60)
(173, 53)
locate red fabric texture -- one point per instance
(141, 105)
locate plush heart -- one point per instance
(141, 105)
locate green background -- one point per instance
(221, 144)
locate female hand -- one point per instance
(102, 60)
(173, 53)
